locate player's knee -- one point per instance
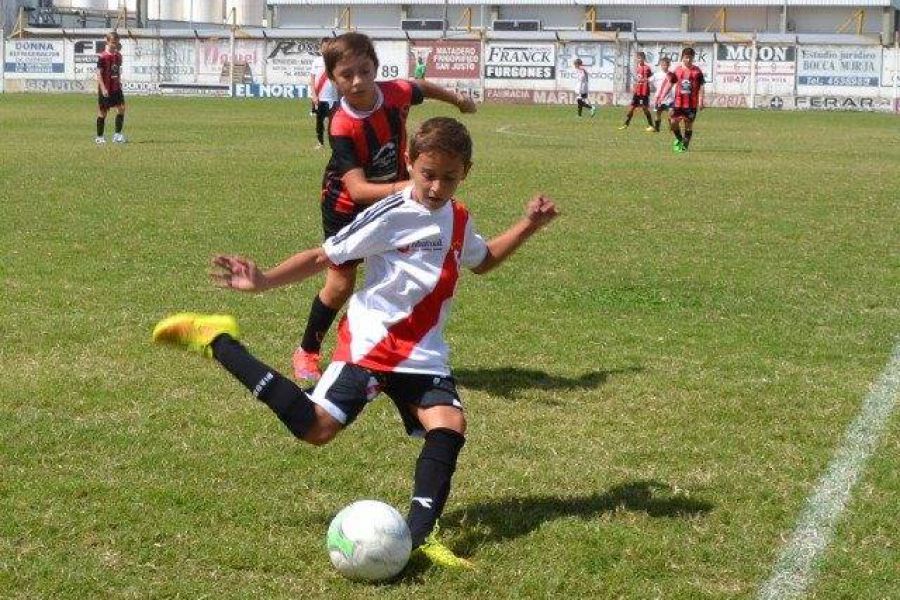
(321, 432)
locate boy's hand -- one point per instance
(237, 273)
(465, 104)
(540, 210)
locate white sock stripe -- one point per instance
(795, 569)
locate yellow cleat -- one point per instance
(621, 127)
(193, 331)
(440, 555)
(650, 129)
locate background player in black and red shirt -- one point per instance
(642, 74)
(109, 88)
(688, 80)
(368, 138)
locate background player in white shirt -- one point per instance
(583, 78)
(323, 94)
(663, 91)
(414, 243)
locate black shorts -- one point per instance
(686, 114)
(345, 389)
(642, 100)
(114, 99)
(663, 106)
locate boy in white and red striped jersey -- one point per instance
(414, 244)
(323, 94)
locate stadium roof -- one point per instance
(643, 3)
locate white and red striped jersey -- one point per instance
(413, 255)
(660, 81)
(324, 88)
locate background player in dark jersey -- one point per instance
(642, 74)
(109, 88)
(368, 136)
(688, 80)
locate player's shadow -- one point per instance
(511, 382)
(512, 517)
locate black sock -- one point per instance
(656, 125)
(687, 137)
(320, 319)
(286, 400)
(120, 120)
(677, 133)
(434, 468)
(649, 119)
(101, 122)
(628, 119)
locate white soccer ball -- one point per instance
(369, 540)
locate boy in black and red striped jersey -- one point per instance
(688, 81)
(642, 74)
(368, 136)
(109, 88)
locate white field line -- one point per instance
(795, 570)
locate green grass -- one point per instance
(653, 385)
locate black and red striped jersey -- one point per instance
(374, 141)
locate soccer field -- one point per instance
(654, 385)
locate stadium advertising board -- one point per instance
(838, 67)
(703, 57)
(867, 103)
(523, 65)
(890, 67)
(453, 64)
(141, 61)
(83, 57)
(35, 58)
(598, 59)
(214, 60)
(290, 61)
(270, 90)
(393, 60)
(775, 69)
(530, 96)
(446, 60)
(57, 86)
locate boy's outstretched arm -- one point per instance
(432, 90)
(242, 274)
(538, 212)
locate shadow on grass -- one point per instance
(511, 517)
(510, 382)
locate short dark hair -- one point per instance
(112, 35)
(578, 62)
(665, 59)
(642, 55)
(687, 52)
(346, 45)
(441, 134)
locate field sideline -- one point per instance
(654, 385)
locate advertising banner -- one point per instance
(33, 58)
(270, 90)
(703, 57)
(213, 64)
(290, 61)
(393, 60)
(142, 61)
(775, 69)
(445, 59)
(598, 59)
(838, 66)
(82, 57)
(520, 65)
(890, 67)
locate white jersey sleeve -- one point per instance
(474, 247)
(384, 226)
